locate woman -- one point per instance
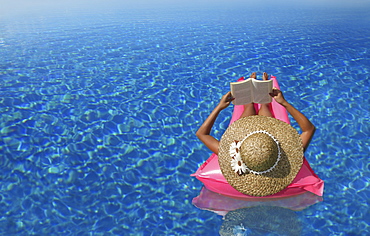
(258, 154)
(203, 133)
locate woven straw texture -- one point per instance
(279, 177)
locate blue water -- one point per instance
(99, 106)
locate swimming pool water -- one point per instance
(99, 110)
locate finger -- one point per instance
(230, 99)
(275, 90)
(226, 95)
(274, 93)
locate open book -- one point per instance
(251, 90)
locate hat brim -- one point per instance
(282, 175)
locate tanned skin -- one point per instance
(203, 133)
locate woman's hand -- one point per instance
(278, 96)
(204, 131)
(308, 129)
(225, 101)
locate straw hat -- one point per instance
(260, 155)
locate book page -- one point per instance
(262, 88)
(242, 92)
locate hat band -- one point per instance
(237, 163)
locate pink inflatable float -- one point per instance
(220, 204)
(210, 175)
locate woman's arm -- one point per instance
(308, 129)
(204, 131)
